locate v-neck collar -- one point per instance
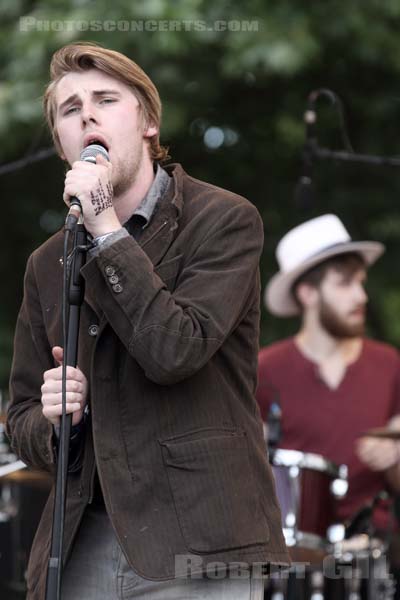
(315, 367)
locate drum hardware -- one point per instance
(274, 425)
(317, 585)
(8, 508)
(3, 440)
(361, 521)
(341, 560)
(357, 569)
(6, 456)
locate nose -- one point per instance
(361, 294)
(88, 114)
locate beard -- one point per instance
(336, 325)
(128, 172)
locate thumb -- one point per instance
(58, 354)
(101, 160)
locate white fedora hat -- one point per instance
(304, 247)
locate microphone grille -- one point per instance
(90, 152)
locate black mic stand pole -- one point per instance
(76, 293)
(324, 153)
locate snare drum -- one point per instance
(306, 486)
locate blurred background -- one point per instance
(234, 81)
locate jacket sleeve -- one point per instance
(173, 334)
(30, 433)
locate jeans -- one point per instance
(98, 570)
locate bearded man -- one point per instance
(333, 384)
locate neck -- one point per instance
(319, 345)
(127, 202)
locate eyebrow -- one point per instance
(95, 94)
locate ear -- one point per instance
(150, 130)
(308, 295)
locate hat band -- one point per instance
(316, 254)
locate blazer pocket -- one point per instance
(214, 491)
(168, 271)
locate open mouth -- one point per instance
(98, 143)
(95, 140)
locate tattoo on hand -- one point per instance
(101, 200)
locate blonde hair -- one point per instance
(82, 56)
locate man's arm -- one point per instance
(30, 433)
(35, 388)
(173, 335)
(382, 455)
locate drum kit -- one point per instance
(330, 561)
(23, 493)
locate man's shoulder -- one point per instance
(380, 351)
(276, 353)
(198, 194)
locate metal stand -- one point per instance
(75, 299)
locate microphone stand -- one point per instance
(314, 150)
(73, 298)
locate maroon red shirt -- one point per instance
(316, 418)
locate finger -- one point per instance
(53, 386)
(58, 354)
(54, 398)
(56, 411)
(72, 373)
(101, 160)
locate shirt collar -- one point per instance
(157, 189)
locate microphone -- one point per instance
(304, 194)
(88, 154)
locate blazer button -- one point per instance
(117, 288)
(93, 330)
(109, 270)
(113, 279)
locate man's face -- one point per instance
(342, 303)
(92, 105)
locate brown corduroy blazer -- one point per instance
(174, 430)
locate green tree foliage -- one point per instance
(233, 96)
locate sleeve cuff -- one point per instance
(104, 241)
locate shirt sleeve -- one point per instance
(31, 434)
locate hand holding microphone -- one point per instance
(88, 190)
